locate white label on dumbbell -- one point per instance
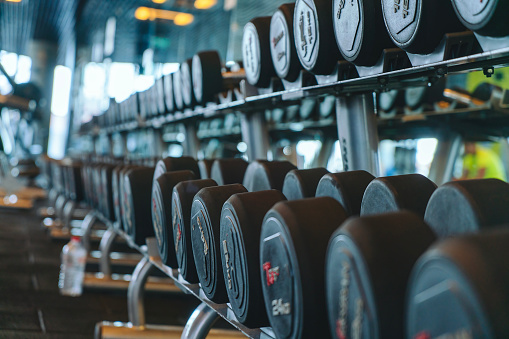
(197, 78)
(347, 25)
(472, 11)
(158, 225)
(341, 324)
(176, 224)
(185, 78)
(280, 308)
(280, 44)
(306, 33)
(357, 321)
(251, 53)
(202, 236)
(229, 268)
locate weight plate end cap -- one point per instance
(370, 259)
(262, 175)
(183, 194)
(205, 234)
(292, 252)
(301, 184)
(468, 206)
(390, 194)
(162, 213)
(256, 53)
(460, 280)
(241, 221)
(346, 187)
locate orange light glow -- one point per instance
(13, 0)
(159, 1)
(204, 4)
(179, 18)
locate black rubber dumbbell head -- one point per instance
(181, 203)
(314, 41)
(301, 184)
(162, 189)
(282, 43)
(459, 289)
(468, 206)
(293, 245)
(207, 77)
(418, 26)
(390, 194)
(228, 171)
(360, 32)
(186, 80)
(485, 17)
(205, 235)
(346, 187)
(369, 260)
(137, 201)
(205, 167)
(262, 175)
(176, 164)
(256, 52)
(241, 223)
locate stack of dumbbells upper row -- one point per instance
(312, 253)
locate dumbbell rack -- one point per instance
(202, 318)
(356, 125)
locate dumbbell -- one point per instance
(241, 223)
(272, 173)
(107, 202)
(228, 171)
(169, 99)
(162, 188)
(390, 194)
(170, 172)
(459, 289)
(312, 27)
(468, 206)
(186, 83)
(359, 30)
(177, 91)
(256, 52)
(293, 242)
(117, 189)
(206, 222)
(159, 96)
(282, 43)
(486, 18)
(137, 193)
(418, 26)
(208, 78)
(347, 188)
(418, 99)
(262, 175)
(370, 258)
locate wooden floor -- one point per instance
(30, 304)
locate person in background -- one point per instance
(481, 163)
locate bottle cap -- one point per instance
(75, 238)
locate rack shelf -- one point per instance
(399, 79)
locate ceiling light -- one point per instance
(13, 0)
(159, 1)
(204, 4)
(179, 18)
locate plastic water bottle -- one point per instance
(72, 269)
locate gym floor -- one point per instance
(30, 303)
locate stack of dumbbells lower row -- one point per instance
(312, 253)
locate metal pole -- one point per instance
(255, 135)
(107, 240)
(86, 226)
(135, 292)
(200, 322)
(358, 134)
(448, 149)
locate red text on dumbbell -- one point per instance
(272, 273)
